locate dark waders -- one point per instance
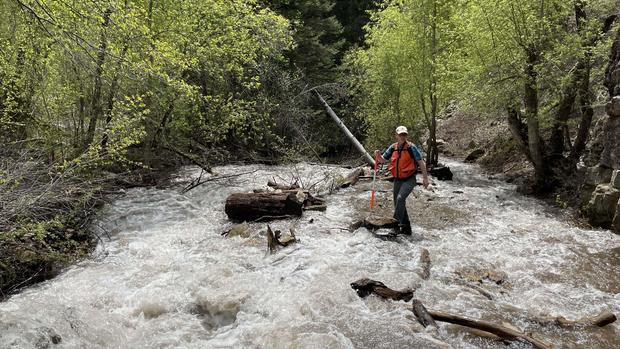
(402, 189)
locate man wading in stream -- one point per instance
(404, 160)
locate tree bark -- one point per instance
(255, 206)
(518, 130)
(95, 102)
(535, 144)
(162, 125)
(111, 96)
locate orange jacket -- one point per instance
(402, 164)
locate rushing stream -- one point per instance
(167, 279)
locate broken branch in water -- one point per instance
(275, 239)
(421, 313)
(365, 287)
(200, 182)
(486, 326)
(602, 319)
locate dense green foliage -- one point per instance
(537, 62)
(96, 78)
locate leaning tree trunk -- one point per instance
(346, 131)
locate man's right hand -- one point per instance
(377, 154)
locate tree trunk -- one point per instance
(585, 105)
(162, 124)
(535, 144)
(111, 96)
(346, 131)
(95, 103)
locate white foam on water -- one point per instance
(168, 279)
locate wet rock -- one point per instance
(475, 155)
(242, 230)
(217, 314)
(374, 223)
(442, 173)
(610, 156)
(603, 205)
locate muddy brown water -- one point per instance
(167, 279)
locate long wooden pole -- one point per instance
(346, 131)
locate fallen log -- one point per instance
(504, 332)
(254, 206)
(365, 287)
(369, 160)
(602, 319)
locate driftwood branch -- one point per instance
(365, 287)
(486, 326)
(421, 313)
(602, 319)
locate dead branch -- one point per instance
(365, 287)
(211, 179)
(496, 329)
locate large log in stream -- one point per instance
(256, 206)
(264, 206)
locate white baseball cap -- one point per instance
(401, 130)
